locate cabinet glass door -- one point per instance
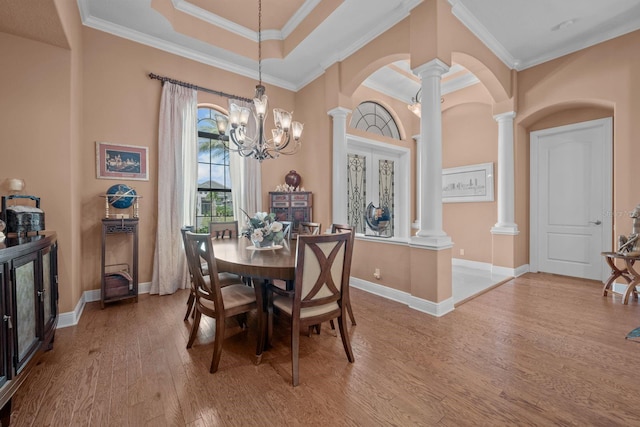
(48, 294)
(4, 368)
(25, 319)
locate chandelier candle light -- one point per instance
(258, 145)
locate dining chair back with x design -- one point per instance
(309, 228)
(221, 230)
(211, 298)
(341, 228)
(322, 268)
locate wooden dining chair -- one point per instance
(224, 278)
(211, 298)
(287, 227)
(309, 228)
(341, 228)
(322, 275)
(220, 230)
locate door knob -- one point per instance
(596, 222)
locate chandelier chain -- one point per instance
(260, 42)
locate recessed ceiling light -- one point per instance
(563, 24)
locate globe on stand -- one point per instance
(121, 196)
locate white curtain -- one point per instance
(246, 180)
(177, 160)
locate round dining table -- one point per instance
(262, 266)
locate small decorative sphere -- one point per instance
(119, 196)
(293, 179)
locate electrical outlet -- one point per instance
(376, 273)
(461, 251)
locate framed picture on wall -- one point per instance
(116, 161)
(473, 183)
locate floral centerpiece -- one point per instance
(263, 230)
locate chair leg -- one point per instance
(295, 353)
(190, 302)
(344, 334)
(350, 311)
(217, 344)
(194, 328)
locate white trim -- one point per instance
(523, 269)
(476, 265)
(607, 159)
(480, 31)
(73, 317)
(425, 306)
(271, 34)
(185, 52)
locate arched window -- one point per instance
(213, 200)
(373, 117)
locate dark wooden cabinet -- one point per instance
(295, 206)
(29, 309)
(119, 281)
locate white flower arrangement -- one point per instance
(263, 227)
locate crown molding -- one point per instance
(138, 37)
(579, 44)
(458, 83)
(298, 17)
(398, 14)
(480, 31)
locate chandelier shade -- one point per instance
(250, 140)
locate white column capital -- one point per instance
(504, 116)
(339, 112)
(435, 67)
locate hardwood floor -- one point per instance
(539, 350)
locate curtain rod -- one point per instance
(196, 87)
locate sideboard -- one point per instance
(29, 309)
(291, 206)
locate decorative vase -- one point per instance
(293, 179)
(264, 244)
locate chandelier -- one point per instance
(415, 107)
(252, 142)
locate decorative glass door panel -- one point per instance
(356, 190)
(24, 274)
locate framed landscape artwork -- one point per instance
(115, 161)
(473, 183)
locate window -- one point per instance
(371, 180)
(213, 200)
(373, 117)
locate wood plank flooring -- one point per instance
(540, 350)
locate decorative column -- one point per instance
(419, 148)
(430, 157)
(506, 190)
(339, 115)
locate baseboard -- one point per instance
(476, 265)
(425, 306)
(72, 318)
(494, 269)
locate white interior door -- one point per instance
(571, 200)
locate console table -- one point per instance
(628, 273)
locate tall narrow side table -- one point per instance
(628, 273)
(119, 285)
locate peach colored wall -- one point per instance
(469, 224)
(392, 260)
(70, 18)
(602, 77)
(35, 110)
(121, 106)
